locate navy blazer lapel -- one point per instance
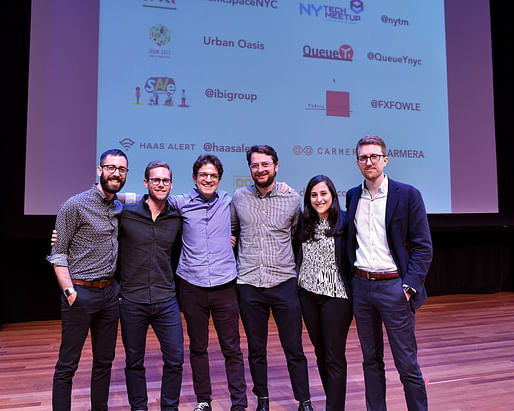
(352, 209)
(392, 200)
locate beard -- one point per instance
(105, 182)
(267, 182)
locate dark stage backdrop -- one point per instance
(473, 253)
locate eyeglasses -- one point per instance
(265, 165)
(204, 176)
(375, 158)
(112, 169)
(159, 181)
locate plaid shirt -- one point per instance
(265, 226)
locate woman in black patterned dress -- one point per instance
(324, 287)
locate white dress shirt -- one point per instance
(373, 253)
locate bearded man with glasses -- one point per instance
(84, 259)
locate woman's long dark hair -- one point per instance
(311, 217)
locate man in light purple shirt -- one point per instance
(206, 282)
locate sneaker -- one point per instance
(305, 406)
(202, 406)
(262, 404)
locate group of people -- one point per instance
(211, 256)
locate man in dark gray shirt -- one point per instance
(265, 220)
(149, 237)
(84, 259)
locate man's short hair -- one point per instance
(156, 164)
(263, 149)
(112, 152)
(370, 139)
(208, 159)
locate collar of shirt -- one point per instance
(381, 191)
(143, 205)
(194, 193)
(101, 196)
(272, 193)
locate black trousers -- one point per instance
(95, 309)
(256, 304)
(198, 304)
(328, 320)
(164, 317)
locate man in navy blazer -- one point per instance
(390, 249)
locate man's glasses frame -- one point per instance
(158, 181)
(111, 169)
(204, 176)
(374, 158)
(264, 165)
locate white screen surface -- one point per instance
(306, 78)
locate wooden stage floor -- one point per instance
(466, 351)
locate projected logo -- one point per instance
(393, 21)
(265, 4)
(162, 93)
(357, 6)
(126, 143)
(299, 150)
(342, 14)
(399, 59)
(241, 181)
(229, 43)
(160, 4)
(230, 95)
(323, 151)
(212, 146)
(344, 53)
(160, 35)
(337, 104)
(395, 105)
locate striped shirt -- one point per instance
(265, 226)
(87, 243)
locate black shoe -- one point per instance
(262, 404)
(305, 406)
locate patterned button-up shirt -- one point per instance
(319, 273)
(87, 241)
(265, 226)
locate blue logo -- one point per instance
(339, 14)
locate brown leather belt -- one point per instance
(95, 283)
(377, 276)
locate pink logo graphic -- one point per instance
(338, 103)
(346, 52)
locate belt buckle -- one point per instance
(368, 277)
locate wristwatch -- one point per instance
(409, 290)
(68, 291)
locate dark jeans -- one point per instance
(198, 304)
(383, 301)
(166, 322)
(255, 305)
(328, 320)
(95, 309)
